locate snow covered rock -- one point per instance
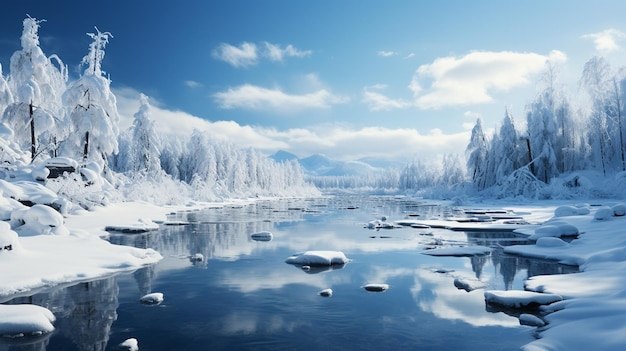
(195, 258)
(619, 210)
(262, 236)
(9, 240)
(531, 320)
(376, 287)
(130, 345)
(318, 258)
(326, 292)
(39, 219)
(565, 211)
(519, 299)
(603, 213)
(152, 299)
(20, 320)
(468, 284)
(40, 173)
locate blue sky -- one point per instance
(349, 79)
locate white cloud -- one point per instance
(193, 84)
(182, 124)
(411, 55)
(471, 79)
(606, 41)
(386, 53)
(378, 101)
(275, 53)
(254, 97)
(336, 141)
(243, 56)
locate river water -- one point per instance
(243, 296)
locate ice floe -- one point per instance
(459, 251)
(519, 299)
(468, 284)
(142, 225)
(152, 298)
(25, 320)
(129, 345)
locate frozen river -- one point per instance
(243, 295)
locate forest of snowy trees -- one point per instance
(559, 144)
(45, 116)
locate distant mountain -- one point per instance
(322, 165)
(383, 163)
(282, 156)
(318, 164)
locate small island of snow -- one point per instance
(318, 258)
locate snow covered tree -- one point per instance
(145, 142)
(37, 84)
(542, 128)
(6, 97)
(476, 152)
(92, 108)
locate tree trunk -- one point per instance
(86, 151)
(32, 132)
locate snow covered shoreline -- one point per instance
(592, 300)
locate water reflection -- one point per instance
(243, 295)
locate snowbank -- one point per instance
(318, 258)
(36, 220)
(48, 260)
(24, 320)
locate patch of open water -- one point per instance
(243, 296)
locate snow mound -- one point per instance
(130, 345)
(376, 287)
(152, 299)
(318, 258)
(531, 320)
(196, 258)
(9, 240)
(262, 236)
(566, 211)
(7, 206)
(461, 251)
(519, 299)
(20, 320)
(39, 219)
(554, 229)
(603, 213)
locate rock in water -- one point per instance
(375, 287)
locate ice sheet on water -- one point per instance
(459, 251)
